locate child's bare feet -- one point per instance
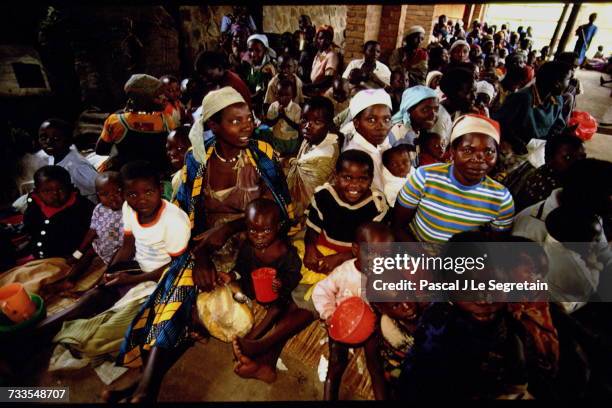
(236, 349)
(124, 393)
(257, 371)
(249, 347)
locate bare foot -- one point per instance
(109, 395)
(249, 347)
(245, 367)
(260, 372)
(236, 349)
(140, 398)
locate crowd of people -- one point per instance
(292, 158)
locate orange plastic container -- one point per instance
(262, 283)
(352, 322)
(587, 125)
(15, 303)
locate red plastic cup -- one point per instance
(262, 282)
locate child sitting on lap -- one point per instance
(397, 168)
(266, 246)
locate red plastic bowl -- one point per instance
(587, 125)
(352, 322)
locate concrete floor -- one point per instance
(205, 373)
(597, 101)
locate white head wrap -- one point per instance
(366, 98)
(415, 29)
(485, 88)
(264, 40)
(213, 102)
(458, 43)
(472, 123)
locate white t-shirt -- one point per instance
(342, 283)
(381, 70)
(162, 239)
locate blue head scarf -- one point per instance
(411, 97)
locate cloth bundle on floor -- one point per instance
(98, 339)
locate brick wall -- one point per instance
(389, 25)
(355, 23)
(419, 15)
(372, 23)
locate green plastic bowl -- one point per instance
(7, 326)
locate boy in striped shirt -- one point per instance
(441, 199)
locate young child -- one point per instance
(399, 83)
(343, 282)
(339, 94)
(284, 117)
(105, 235)
(529, 185)
(266, 246)
(155, 230)
(398, 167)
(177, 145)
(140, 131)
(172, 91)
(431, 149)
(315, 161)
(286, 71)
(336, 209)
(395, 330)
(55, 137)
(485, 93)
(57, 217)
(371, 118)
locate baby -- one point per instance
(177, 145)
(431, 149)
(397, 167)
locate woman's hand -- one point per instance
(204, 273)
(214, 238)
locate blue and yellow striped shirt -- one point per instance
(445, 207)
